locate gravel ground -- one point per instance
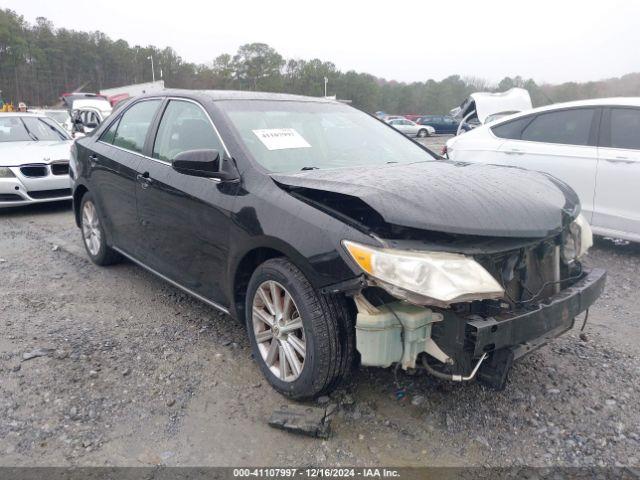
(127, 370)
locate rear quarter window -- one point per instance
(511, 130)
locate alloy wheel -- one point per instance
(91, 228)
(279, 331)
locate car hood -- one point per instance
(13, 154)
(451, 197)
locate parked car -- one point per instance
(88, 113)
(34, 160)
(326, 232)
(411, 116)
(68, 98)
(411, 129)
(442, 124)
(61, 116)
(593, 145)
(482, 107)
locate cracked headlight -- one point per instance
(577, 240)
(6, 173)
(426, 277)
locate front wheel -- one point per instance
(302, 340)
(423, 133)
(93, 234)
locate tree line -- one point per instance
(39, 62)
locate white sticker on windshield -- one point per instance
(281, 138)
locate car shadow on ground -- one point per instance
(36, 209)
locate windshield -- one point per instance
(60, 117)
(285, 136)
(26, 129)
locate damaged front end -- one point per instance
(467, 266)
(461, 314)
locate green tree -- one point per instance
(257, 65)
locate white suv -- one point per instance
(593, 145)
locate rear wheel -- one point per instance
(93, 235)
(302, 340)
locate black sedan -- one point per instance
(335, 238)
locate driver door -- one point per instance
(185, 219)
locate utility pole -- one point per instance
(326, 80)
(153, 72)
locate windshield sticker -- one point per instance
(281, 138)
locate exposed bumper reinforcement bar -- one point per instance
(531, 329)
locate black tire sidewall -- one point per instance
(101, 257)
(304, 384)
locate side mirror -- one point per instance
(91, 125)
(201, 163)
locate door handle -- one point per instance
(514, 151)
(144, 180)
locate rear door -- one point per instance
(185, 219)
(114, 159)
(617, 197)
(449, 125)
(561, 143)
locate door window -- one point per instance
(570, 127)
(134, 124)
(110, 134)
(184, 126)
(625, 128)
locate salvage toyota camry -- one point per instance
(335, 238)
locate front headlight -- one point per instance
(577, 240)
(426, 277)
(6, 173)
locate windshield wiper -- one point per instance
(54, 129)
(33, 137)
(309, 168)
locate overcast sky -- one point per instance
(406, 40)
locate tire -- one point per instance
(328, 333)
(423, 133)
(93, 236)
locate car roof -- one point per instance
(593, 102)
(21, 114)
(239, 95)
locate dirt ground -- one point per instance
(133, 372)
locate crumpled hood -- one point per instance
(13, 154)
(451, 197)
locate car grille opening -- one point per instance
(60, 192)
(34, 170)
(527, 275)
(61, 168)
(10, 197)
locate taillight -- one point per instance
(444, 151)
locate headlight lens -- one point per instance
(6, 173)
(578, 240)
(436, 277)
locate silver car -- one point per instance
(34, 160)
(411, 129)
